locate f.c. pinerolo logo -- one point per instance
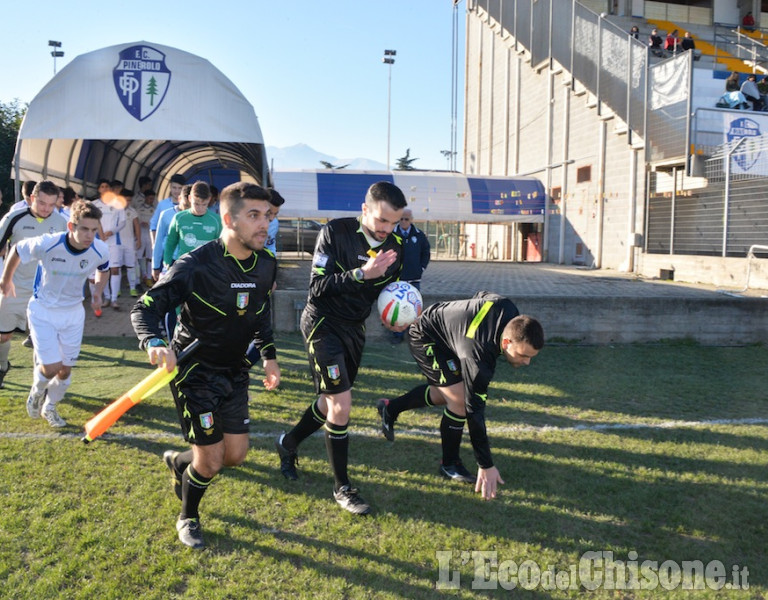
(141, 80)
(748, 153)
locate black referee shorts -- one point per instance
(211, 402)
(439, 364)
(334, 351)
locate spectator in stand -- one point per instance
(687, 42)
(732, 83)
(751, 93)
(672, 42)
(634, 32)
(748, 22)
(762, 87)
(654, 43)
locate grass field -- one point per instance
(652, 452)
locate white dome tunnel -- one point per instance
(138, 109)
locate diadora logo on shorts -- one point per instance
(141, 80)
(239, 286)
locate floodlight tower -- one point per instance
(55, 52)
(389, 59)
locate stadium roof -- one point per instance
(137, 109)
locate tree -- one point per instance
(328, 165)
(11, 115)
(404, 162)
(152, 90)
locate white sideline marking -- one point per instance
(368, 432)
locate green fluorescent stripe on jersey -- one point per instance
(211, 306)
(478, 319)
(311, 333)
(187, 372)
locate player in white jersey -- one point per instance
(55, 312)
(145, 210)
(113, 224)
(131, 241)
(28, 221)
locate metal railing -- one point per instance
(601, 56)
(734, 43)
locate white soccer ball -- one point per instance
(399, 304)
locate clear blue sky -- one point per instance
(312, 70)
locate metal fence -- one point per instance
(601, 56)
(729, 214)
(669, 101)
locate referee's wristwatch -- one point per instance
(155, 342)
(358, 275)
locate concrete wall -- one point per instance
(726, 273)
(601, 320)
(509, 130)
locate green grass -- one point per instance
(97, 521)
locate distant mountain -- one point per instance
(302, 156)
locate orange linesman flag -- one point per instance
(159, 378)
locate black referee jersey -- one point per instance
(340, 249)
(471, 330)
(224, 303)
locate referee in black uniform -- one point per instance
(223, 289)
(456, 345)
(355, 258)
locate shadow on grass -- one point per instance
(551, 501)
(309, 553)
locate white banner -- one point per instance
(669, 83)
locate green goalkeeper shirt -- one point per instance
(188, 231)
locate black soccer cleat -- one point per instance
(387, 422)
(169, 458)
(457, 472)
(190, 533)
(349, 499)
(288, 459)
(27, 343)
(3, 374)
